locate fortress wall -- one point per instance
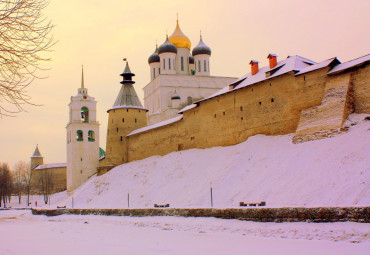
(306, 103)
(271, 107)
(57, 175)
(361, 89)
(344, 93)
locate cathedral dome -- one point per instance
(167, 47)
(154, 57)
(191, 60)
(175, 96)
(179, 39)
(201, 48)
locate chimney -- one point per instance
(254, 66)
(272, 60)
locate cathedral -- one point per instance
(185, 107)
(179, 76)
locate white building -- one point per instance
(179, 77)
(82, 139)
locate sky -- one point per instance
(99, 34)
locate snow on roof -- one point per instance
(156, 125)
(349, 64)
(127, 106)
(292, 63)
(51, 166)
(318, 66)
(188, 107)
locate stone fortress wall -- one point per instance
(302, 104)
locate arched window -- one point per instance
(164, 64)
(91, 136)
(205, 66)
(199, 66)
(79, 135)
(84, 115)
(169, 63)
(153, 73)
(182, 63)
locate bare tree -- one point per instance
(24, 39)
(5, 183)
(20, 179)
(47, 184)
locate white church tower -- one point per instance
(82, 138)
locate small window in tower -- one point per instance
(223, 113)
(215, 116)
(135, 120)
(199, 66)
(205, 66)
(272, 100)
(81, 171)
(304, 77)
(241, 118)
(91, 136)
(260, 103)
(153, 73)
(121, 138)
(270, 84)
(190, 100)
(84, 115)
(159, 70)
(81, 159)
(79, 135)
(164, 64)
(241, 108)
(117, 130)
(192, 138)
(126, 110)
(169, 63)
(182, 63)
(123, 119)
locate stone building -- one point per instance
(179, 77)
(55, 174)
(294, 95)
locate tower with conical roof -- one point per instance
(82, 138)
(36, 159)
(126, 115)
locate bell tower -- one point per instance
(82, 138)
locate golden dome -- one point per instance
(179, 39)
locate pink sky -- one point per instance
(99, 34)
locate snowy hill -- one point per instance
(328, 172)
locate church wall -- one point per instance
(157, 94)
(271, 107)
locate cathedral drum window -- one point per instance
(91, 136)
(80, 135)
(84, 114)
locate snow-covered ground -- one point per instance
(24, 233)
(329, 172)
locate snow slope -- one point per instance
(329, 172)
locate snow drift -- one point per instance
(328, 172)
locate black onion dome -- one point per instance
(175, 96)
(191, 60)
(167, 47)
(201, 48)
(154, 57)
